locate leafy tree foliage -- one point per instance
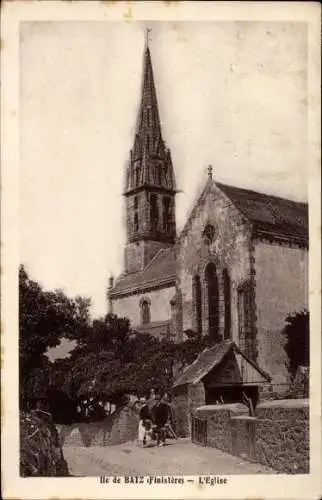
(297, 344)
(109, 361)
(44, 318)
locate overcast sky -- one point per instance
(230, 94)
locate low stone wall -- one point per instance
(120, 427)
(218, 418)
(243, 429)
(277, 437)
(181, 412)
(282, 435)
(41, 453)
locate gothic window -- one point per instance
(164, 176)
(136, 214)
(213, 302)
(244, 309)
(208, 234)
(167, 215)
(197, 304)
(227, 302)
(145, 311)
(136, 222)
(137, 176)
(154, 212)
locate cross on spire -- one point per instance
(147, 31)
(210, 171)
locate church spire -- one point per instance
(150, 182)
(150, 163)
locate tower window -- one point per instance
(136, 222)
(136, 213)
(136, 176)
(145, 311)
(167, 215)
(154, 212)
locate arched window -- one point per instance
(145, 311)
(166, 213)
(197, 305)
(154, 212)
(208, 234)
(136, 175)
(227, 302)
(244, 318)
(136, 214)
(213, 304)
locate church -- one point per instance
(236, 270)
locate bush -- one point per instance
(297, 344)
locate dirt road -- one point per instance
(177, 458)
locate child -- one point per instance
(145, 429)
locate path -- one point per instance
(177, 458)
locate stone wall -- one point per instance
(181, 411)
(229, 250)
(278, 437)
(196, 397)
(160, 308)
(40, 448)
(243, 428)
(120, 427)
(281, 288)
(218, 418)
(282, 435)
(185, 400)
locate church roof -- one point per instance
(270, 215)
(208, 360)
(160, 272)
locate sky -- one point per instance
(230, 94)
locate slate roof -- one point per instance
(161, 271)
(160, 329)
(209, 359)
(270, 215)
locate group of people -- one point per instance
(155, 421)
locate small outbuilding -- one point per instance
(221, 374)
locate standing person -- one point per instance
(171, 416)
(144, 415)
(160, 416)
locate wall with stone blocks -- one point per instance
(185, 400)
(278, 437)
(160, 307)
(229, 249)
(218, 418)
(181, 412)
(281, 288)
(282, 435)
(119, 427)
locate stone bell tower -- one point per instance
(150, 182)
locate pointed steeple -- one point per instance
(149, 182)
(150, 162)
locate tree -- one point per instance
(44, 318)
(297, 344)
